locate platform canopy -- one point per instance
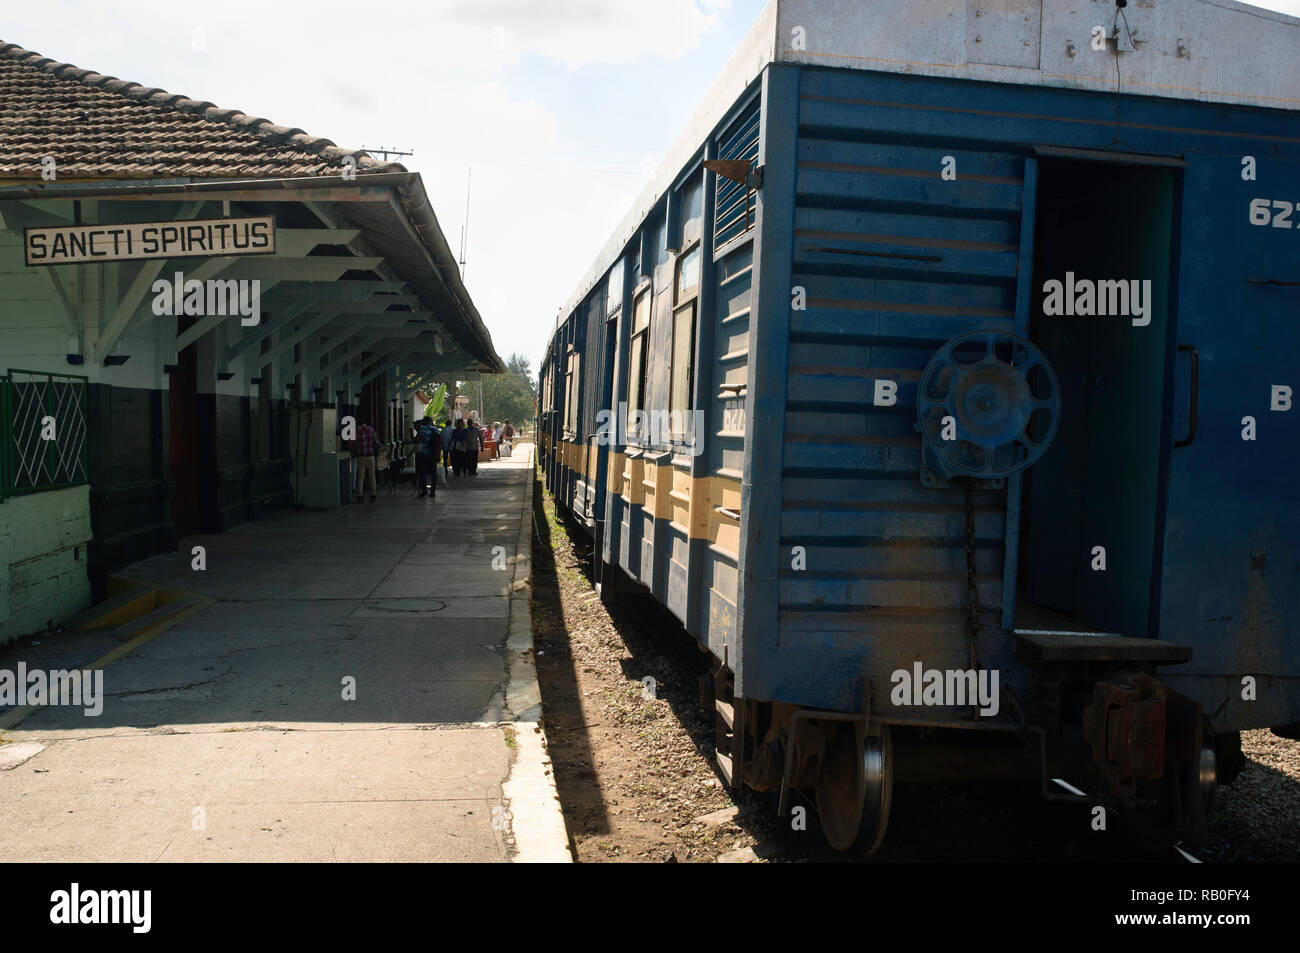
(361, 280)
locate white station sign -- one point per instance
(142, 240)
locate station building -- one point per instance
(191, 299)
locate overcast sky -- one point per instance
(562, 107)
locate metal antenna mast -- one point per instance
(386, 152)
(464, 231)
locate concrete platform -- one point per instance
(358, 686)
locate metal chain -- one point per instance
(972, 591)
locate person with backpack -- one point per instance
(428, 448)
(508, 439)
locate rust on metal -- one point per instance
(737, 170)
(1125, 727)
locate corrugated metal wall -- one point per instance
(891, 262)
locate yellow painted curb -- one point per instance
(18, 715)
(142, 604)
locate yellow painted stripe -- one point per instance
(18, 715)
(665, 492)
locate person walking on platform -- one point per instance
(473, 443)
(428, 448)
(458, 440)
(366, 444)
(447, 431)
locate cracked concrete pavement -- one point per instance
(228, 737)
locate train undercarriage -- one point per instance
(1113, 739)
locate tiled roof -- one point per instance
(99, 126)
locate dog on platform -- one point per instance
(394, 466)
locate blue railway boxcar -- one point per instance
(942, 386)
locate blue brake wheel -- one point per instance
(987, 405)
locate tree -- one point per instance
(518, 364)
(508, 396)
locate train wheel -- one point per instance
(1197, 784)
(1179, 808)
(856, 788)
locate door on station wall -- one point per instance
(182, 416)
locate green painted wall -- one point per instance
(43, 562)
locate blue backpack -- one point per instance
(425, 441)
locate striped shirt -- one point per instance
(367, 440)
